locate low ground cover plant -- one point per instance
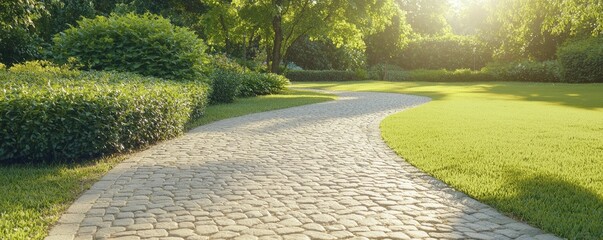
(60, 115)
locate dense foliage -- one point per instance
(582, 61)
(321, 75)
(524, 71)
(60, 115)
(224, 86)
(254, 84)
(448, 52)
(145, 44)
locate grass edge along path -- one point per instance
(34, 197)
(532, 150)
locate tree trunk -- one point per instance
(278, 40)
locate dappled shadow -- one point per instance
(555, 205)
(585, 96)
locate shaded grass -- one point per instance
(34, 196)
(532, 150)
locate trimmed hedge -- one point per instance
(442, 75)
(444, 52)
(524, 71)
(146, 44)
(321, 75)
(582, 61)
(55, 118)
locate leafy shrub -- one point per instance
(224, 85)
(524, 71)
(254, 84)
(2, 67)
(220, 61)
(582, 61)
(323, 55)
(145, 44)
(444, 52)
(322, 75)
(58, 118)
(382, 71)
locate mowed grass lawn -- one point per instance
(533, 151)
(32, 198)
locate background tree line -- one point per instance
(335, 34)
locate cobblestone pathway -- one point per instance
(317, 171)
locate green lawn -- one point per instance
(33, 197)
(533, 151)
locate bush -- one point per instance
(582, 61)
(322, 75)
(225, 85)
(222, 62)
(145, 44)
(444, 52)
(254, 84)
(58, 118)
(524, 71)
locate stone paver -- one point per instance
(318, 171)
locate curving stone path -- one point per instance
(317, 171)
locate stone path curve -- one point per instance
(318, 171)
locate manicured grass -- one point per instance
(533, 151)
(34, 196)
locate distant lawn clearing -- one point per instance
(33, 197)
(533, 151)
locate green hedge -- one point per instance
(224, 85)
(524, 71)
(322, 75)
(145, 44)
(254, 84)
(64, 118)
(444, 52)
(582, 61)
(442, 75)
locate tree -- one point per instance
(17, 41)
(536, 28)
(280, 23)
(383, 46)
(426, 17)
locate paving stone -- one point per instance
(318, 235)
(181, 232)
(318, 171)
(206, 229)
(152, 233)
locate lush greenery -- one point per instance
(224, 86)
(526, 71)
(34, 196)
(532, 150)
(582, 61)
(256, 84)
(444, 52)
(57, 115)
(322, 75)
(145, 44)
